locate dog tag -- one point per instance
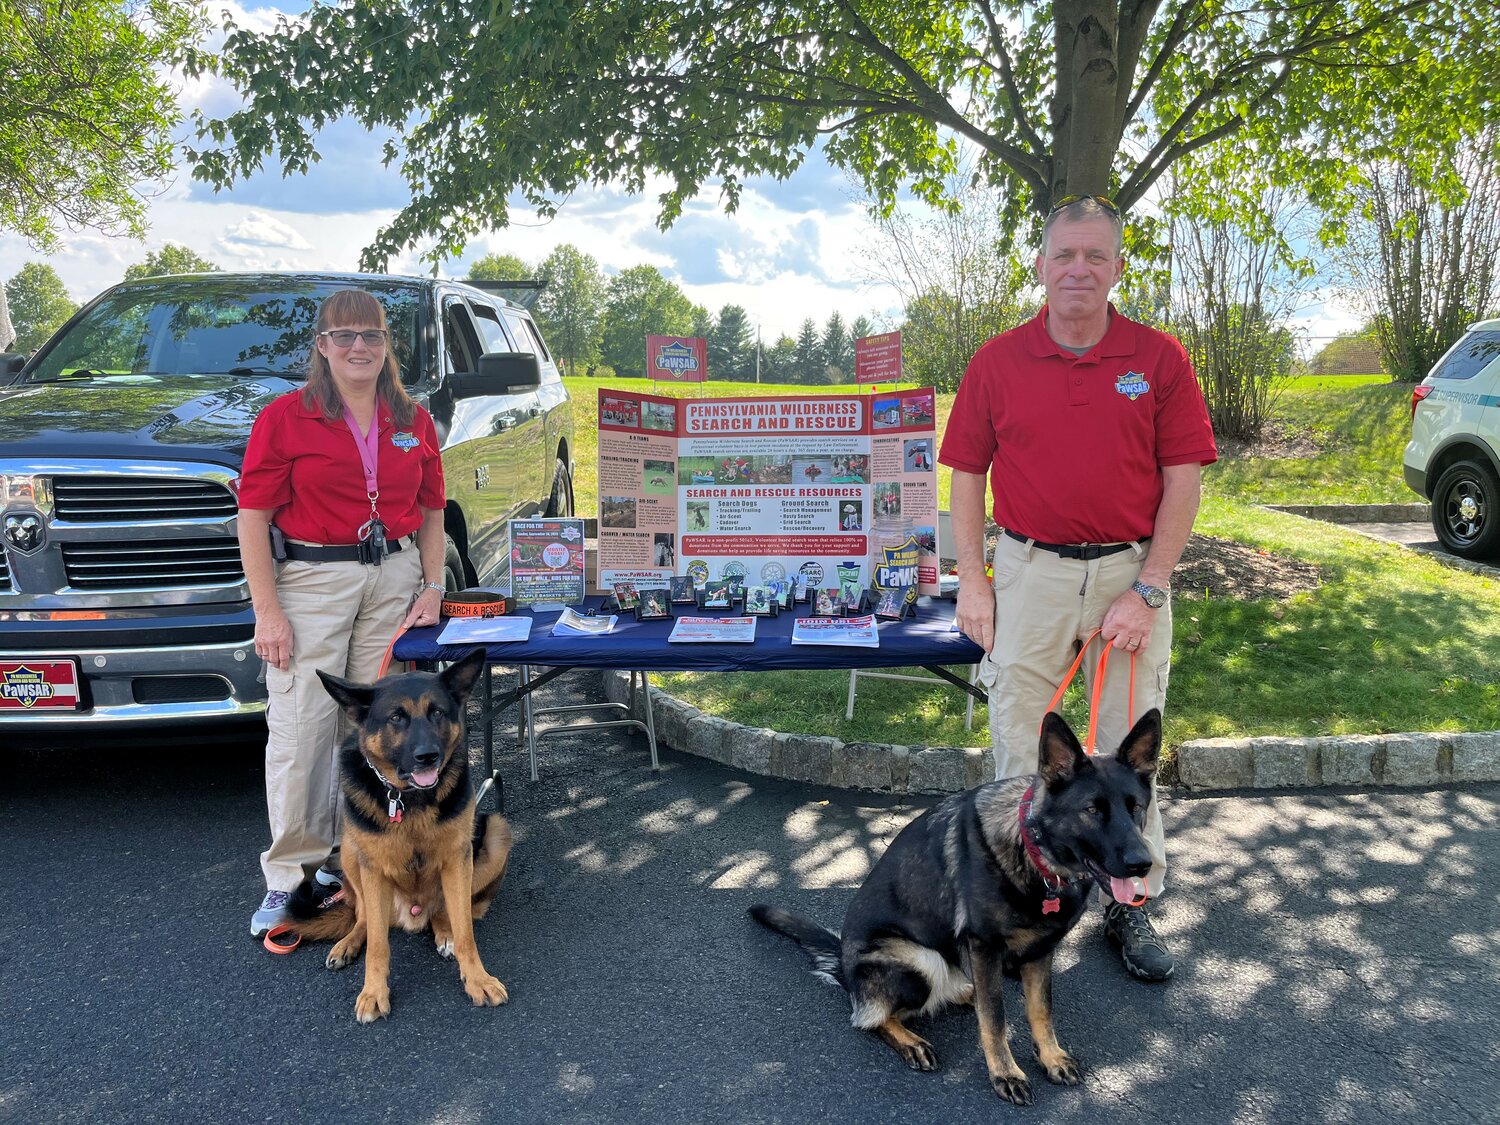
(394, 810)
(1051, 904)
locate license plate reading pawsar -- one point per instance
(38, 685)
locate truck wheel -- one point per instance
(1466, 510)
(561, 502)
(453, 566)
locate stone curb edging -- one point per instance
(1419, 512)
(1202, 765)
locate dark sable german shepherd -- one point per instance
(414, 853)
(987, 884)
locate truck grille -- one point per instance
(103, 499)
(152, 565)
(4, 573)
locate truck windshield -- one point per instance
(214, 326)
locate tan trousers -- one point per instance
(1045, 606)
(343, 615)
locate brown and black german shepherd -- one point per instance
(956, 903)
(414, 854)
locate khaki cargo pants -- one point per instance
(343, 615)
(1045, 606)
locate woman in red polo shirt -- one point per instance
(345, 475)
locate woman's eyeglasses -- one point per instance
(1068, 201)
(345, 337)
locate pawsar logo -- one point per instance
(405, 440)
(24, 685)
(1132, 385)
(897, 567)
(679, 359)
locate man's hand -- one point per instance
(425, 609)
(1129, 622)
(273, 637)
(975, 614)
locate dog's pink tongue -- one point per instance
(1129, 891)
(424, 778)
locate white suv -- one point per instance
(1453, 457)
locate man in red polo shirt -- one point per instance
(1093, 433)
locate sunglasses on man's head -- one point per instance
(345, 337)
(1068, 201)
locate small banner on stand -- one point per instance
(677, 359)
(877, 359)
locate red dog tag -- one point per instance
(1050, 904)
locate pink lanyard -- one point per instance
(369, 452)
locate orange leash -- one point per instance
(1088, 745)
(390, 649)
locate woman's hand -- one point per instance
(425, 609)
(273, 637)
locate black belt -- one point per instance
(309, 552)
(1076, 550)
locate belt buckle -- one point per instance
(1087, 551)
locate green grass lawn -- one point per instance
(1389, 641)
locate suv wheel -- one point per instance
(1466, 510)
(561, 501)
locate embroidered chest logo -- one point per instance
(405, 440)
(1132, 385)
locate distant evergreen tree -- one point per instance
(838, 350)
(809, 354)
(778, 363)
(731, 345)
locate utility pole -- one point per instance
(757, 354)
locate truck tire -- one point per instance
(1466, 510)
(561, 501)
(453, 566)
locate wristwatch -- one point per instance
(438, 586)
(1154, 596)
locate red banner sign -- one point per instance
(877, 359)
(677, 359)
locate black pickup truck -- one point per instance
(122, 600)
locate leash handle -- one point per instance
(390, 649)
(1062, 688)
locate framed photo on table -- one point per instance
(717, 595)
(761, 601)
(828, 601)
(626, 595)
(890, 604)
(683, 589)
(653, 604)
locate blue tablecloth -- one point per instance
(926, 639)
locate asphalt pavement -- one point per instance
(1339, 959)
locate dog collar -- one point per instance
(1054, 883)
(395, 807)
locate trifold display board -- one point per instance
(831, 488)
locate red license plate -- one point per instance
(39, 685)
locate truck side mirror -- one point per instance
(10, 366)
(499, 373)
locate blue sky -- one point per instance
(794, 249)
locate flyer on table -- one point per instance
(834, 488)
(547, 561)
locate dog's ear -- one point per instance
(1142, 745)
(352, 697)
(460, 678)
(1061, 753)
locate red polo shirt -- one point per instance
(307, 470)
(1075, 445)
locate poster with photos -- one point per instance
(766, 488)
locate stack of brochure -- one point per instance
(856, 631)
(485, 630)
(574, 624)
(705, 630)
